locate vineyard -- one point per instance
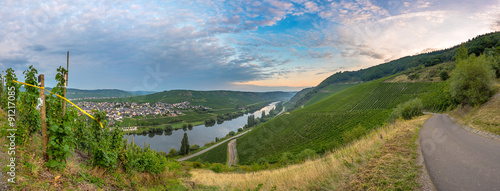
(216, 155)
(332, 122)
(327, 92)
(70, 135)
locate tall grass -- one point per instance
(327, 172)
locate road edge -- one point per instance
(425, 179)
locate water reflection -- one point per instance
(197, 134)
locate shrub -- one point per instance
(444, 75)
(413, 76)
(472, 81)
(306, 154)
(232, 133)
(287, 158)
(194, 147)
(408, 109)
(217, 167)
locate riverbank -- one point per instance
(218, 116)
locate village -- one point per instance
(116, 111)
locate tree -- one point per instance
(232, 133)
(172, 153)
(444, 75)
(184, 145)
(263, 115)
(462, 53)
(216, 139)
(472, 81)
(194, 147)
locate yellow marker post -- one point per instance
(62, 98)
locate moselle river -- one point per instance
(198, 135)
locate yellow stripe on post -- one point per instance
(62, 98)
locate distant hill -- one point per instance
(73, 93)
(101, 93)
(142, 92)
(476, 45)
(214, 99)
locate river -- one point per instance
(198, 135)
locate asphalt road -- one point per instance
(213, 146)
(457, 159)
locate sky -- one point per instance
(250, 45)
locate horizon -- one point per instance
(257, 46)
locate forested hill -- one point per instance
(214, 99)
(477, 45)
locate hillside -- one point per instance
(77, 93)
(213, 99)
(73, 93)
(297, 97)
(477, 46)
(332, 122)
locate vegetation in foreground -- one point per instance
(379, 157)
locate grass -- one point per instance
(485, 117)
(384, 149)
(426, 74)
(330, 123)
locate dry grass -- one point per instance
(327, 172)
(424, 74)
(484, 118)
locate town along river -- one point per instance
(198, 135)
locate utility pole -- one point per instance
(65, 84)
(45, 140)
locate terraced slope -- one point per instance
(330, 123)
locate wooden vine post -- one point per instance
(45, 140)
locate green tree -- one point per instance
(472, 81)
(462, 53)
(184, 145)
(263, 115)
(444, 75)
(172, 153)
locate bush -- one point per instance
(232, 133)
(172, 153)
(217, 167)
(413, 76)
(444, 75)
(287, 158)
(306, 154)
(407, 110)
(194, 147)
(472, 81)
(240, 129)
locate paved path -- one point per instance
(231, 148)
(213, 146)
(457, 159)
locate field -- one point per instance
(216, 155)
(330, 123)
(382, 160)
(327, 92)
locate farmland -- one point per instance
(329, 123)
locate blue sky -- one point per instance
(259, 45)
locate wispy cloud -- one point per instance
(212, 44)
